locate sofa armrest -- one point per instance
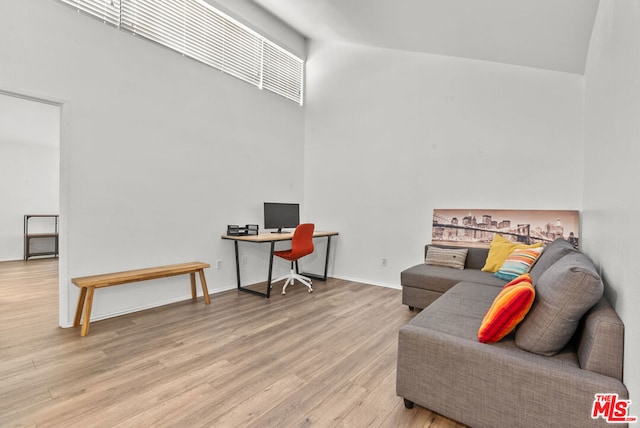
(600, 340)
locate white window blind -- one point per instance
(204, 34)
(282, 72)
(106, 10)
(197, 30)
(242, 53)
(159, 20)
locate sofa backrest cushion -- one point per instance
(551, 254)
(600, 340)
(476, 257)
(564, 293)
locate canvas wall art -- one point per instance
(477, 227)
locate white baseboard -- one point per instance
(369, 282)
(152, 305)
(212, 293)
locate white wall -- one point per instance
(612, 153)
(392, 135)
(158, 152)
(29, 170)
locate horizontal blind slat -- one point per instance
(105, 10)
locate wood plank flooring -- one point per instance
(325, 359)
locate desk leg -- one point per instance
(205, 290)
(248, 290)
(194, 294)
(83, 295)
(237, 264)
(326, 264)
(87, 311)
(326, 260)
(273, 247)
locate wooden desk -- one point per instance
(272, 238)
(88, 284)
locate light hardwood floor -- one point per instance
(325, 359)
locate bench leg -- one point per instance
(87, 312)
(194, 295)
(205, 290)
(83, 294)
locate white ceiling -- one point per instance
(546, 34)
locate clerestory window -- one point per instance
(198, 30)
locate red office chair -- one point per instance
(301, 245)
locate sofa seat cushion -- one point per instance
(441, 279)
(459, 312)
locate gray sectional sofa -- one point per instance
(546, 373)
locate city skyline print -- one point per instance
(477, 227)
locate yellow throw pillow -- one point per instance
(499, 250)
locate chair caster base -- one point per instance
(310, 291)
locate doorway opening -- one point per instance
(30, 164)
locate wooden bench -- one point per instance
(88, 284)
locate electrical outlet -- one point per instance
(244, 260)
(218, 264)
(384, 262)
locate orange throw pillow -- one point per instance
(508, 309)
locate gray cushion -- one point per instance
(459, 311)
(447, 257)
(441, 279)
(564, 293)
(551, 254)
(476, 257)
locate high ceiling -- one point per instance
(546, 34)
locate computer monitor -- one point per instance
(281, 215)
